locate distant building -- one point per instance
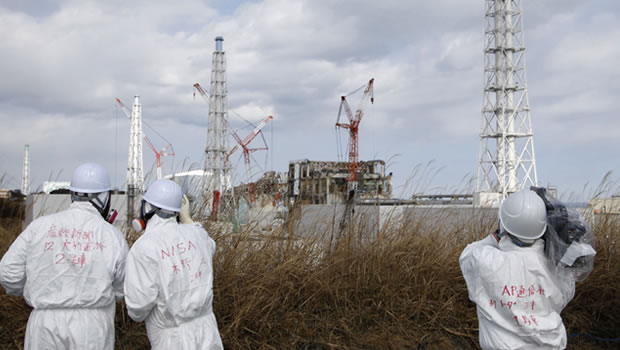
(325, 182)
(267, 190)
(49, 186)
(605, 205)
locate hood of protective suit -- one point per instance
(169, 284)
(69, 266)
(518, 299)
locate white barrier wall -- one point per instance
(367, 220)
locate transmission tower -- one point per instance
(135, 177)
(218, 172)
(26, 174)
(507, 162)
(135, 172)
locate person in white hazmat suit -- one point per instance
(169, 282)
(70, 267)
(518, 294)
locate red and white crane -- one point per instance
(159, 154)
(202, 92)
(246, 151)
(353, 127)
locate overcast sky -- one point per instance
(64, 62)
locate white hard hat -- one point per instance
(165, 194)
(523, 215)
(90, 178)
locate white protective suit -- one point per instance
(169, 283)
(518, 299)
(70, 268)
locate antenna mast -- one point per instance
(506, 162)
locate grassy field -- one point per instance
(402, 290)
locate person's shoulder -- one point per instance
(52, 217)
(488, 241)
(144, 252)
(142, 242)
(113, 228)
(198, 232)
(143, 247)
(194, 228)
(154, 237)
(44, 221)
(41, 220)
(487, 253)
(482, 251)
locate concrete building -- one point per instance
(325, 182)
(266, 190)
(5, 193)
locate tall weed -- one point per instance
(401, 289)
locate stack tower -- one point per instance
(507, 161)
(26, 174)
(218, 169)
(135, 172)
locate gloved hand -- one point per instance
(184, 215)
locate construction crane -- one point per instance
(353, 127)
(159, 154)
(202, 92)
(246, 151)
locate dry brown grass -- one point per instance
(402, 290)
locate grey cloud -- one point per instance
(41, 8)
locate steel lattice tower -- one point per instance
(135, 177)
(217, 168)
(507, 162)
(26, 174)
